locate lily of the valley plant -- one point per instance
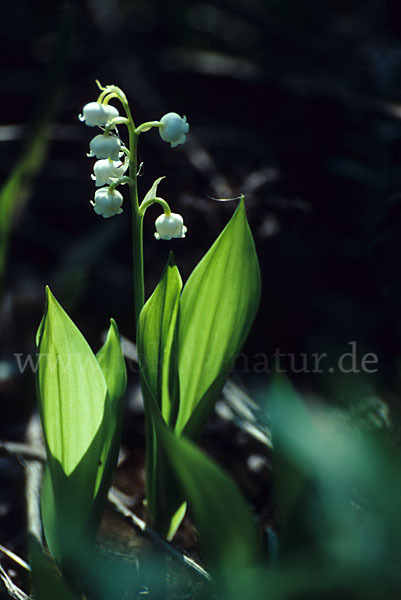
(187, 338)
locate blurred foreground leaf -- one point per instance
(338, 489)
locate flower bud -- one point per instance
(107, 202)
(97, 114)
(105, 146)
(106, 171)
(170, 226)
(173, 129)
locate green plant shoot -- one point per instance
(187, 342)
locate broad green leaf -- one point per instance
(217, 308)
(72, 388)
(156, 341)
(70, 514)
(152, 193)
(226, 529)
(81, 425)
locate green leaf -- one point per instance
(156, 342)
(72, 388)
(81, 425)
(46, 581)
(217, 308)
(327, 465)
(51, 520)
(157, 356)
(226, 529)
(163, 496)
(152, 193)
(176, 521)
(111, 360)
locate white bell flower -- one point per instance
(107, 202)
(173, 129)
(98, 114)
(106, 171)
(170, 226)
(105, 146)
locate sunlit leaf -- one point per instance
(217, 308)
(156, 341)
(111, 361)
(72, 387)
(81, 425)
(176, 521)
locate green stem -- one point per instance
(122, 181)
(155, 200)
(147, 126)
(137, 218)
(137, 231)
(107, 93)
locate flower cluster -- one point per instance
(109, 169)
(113, 158)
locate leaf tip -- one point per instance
(114, 328)
(171, 259)
(50, 298)
(241, 204)
(51, 302)
(40, 330)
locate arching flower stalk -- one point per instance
(114, 159)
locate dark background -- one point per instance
(296, 104)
